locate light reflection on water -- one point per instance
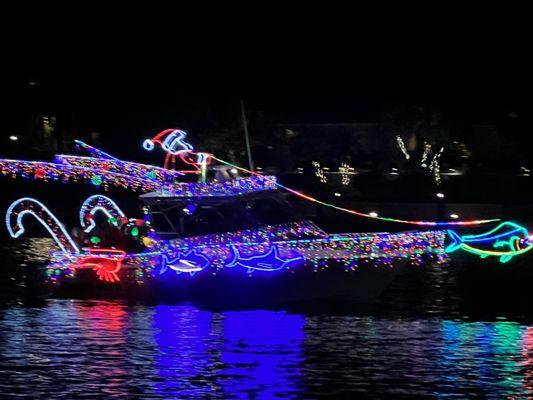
(74, 349)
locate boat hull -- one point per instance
(227, 288)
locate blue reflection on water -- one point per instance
(187, 349)
(262, 353)
(232, 354)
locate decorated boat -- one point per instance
(216, 231)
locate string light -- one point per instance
(345, 170)
(362, 214)
(75, 169)
(401, 144)
(232, 187)
(64, 173)
(319, 172)
(434, 166)
(425, 154)
(139, 170)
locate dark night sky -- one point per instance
(123, 68)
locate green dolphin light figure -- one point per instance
(505, 241)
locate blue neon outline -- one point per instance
(171, 138)
(237, 259)
(480, 237)
(169, 263)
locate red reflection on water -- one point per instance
(103, 317)
(104, 326)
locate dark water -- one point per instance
(428, 337)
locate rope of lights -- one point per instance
(359, 213)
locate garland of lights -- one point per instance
(425, 154)
(105, 176)
(47, 171)
(319, 172)
(345, 170)
(233, 187)
(434, 166)
(401, 144)
(270, 256)
(361, 214)
(122, 167)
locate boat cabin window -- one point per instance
(271, 212)
(226, 216)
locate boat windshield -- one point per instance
(190, 219)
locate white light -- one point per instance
(394, 169)
(454, 216)
(440, 195)
(373, 214)
(337, 194)
(233, 171)
(13, 138)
